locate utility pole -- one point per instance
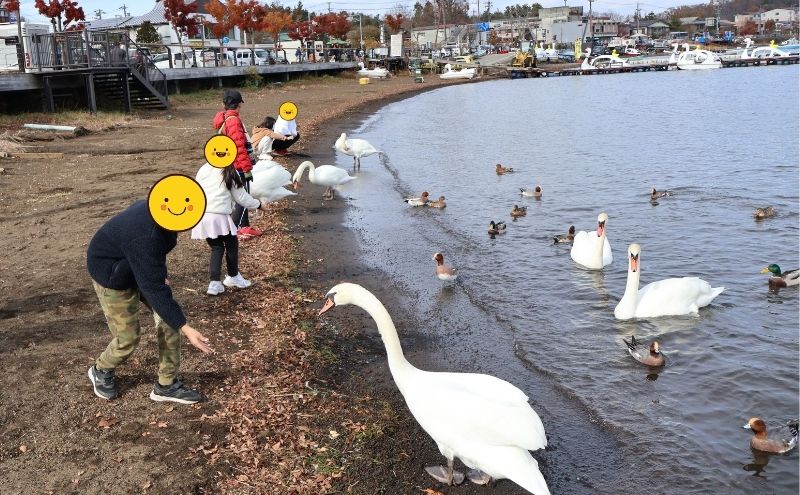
(124, 10)
(99, 13)
(638, 16)
(329, 7)
(591, 28)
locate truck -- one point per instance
(10, 51)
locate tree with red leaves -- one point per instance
(61, 13)
(226, 16)
(303, 31)
(11, 5)
(395, 22)
(274, 21)
(334, 25)
(178, 14)
(249, 15)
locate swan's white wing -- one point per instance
(581, 244)
(328, 175)
(277, 194)
(674, 296)
(607, 257)
(268, 179)
(361, 147)
(482, 408)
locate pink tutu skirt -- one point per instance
(214, 225)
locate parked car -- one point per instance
(162, 60)
(245, 57)
(566, 55)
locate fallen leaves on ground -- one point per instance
(108, 422)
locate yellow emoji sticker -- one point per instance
(176, 202)
(220, 151)
(288, 110)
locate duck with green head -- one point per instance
(782, 279)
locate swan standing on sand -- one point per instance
(268, 181)
(324, 175)
(355, 148)
(483, 420)
(668, 297)
(590, 250)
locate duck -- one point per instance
(565, 238)
(536, 192)
(500, 170)
(356, 148)
(763, 443)
(655, 193)
(480, 419)
(420, 201)
(767, 212)
(519, 211)
(592, 251)
(443, 272)
(653, 358)
(325, 175)
(668, 297)
(497, 228)
(782, 279)
(439, 203)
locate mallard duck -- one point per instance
(565, 238)
(767, 212)
(652, 358)
(503, 170)
(761, 441)
(536, 192)
(497, 228)
(655, 193)
(443, 271)
(439, 203)
(420, 201)
(519, 211)
(782, 279)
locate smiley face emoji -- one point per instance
(288, 110)
(220, 151)
(176, 202)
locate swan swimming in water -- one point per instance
(483, 420)
(590, 250)
(668, 297)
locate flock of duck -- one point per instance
(480, 419)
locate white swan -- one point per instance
(268, 181)
(355, 148)
(668, 297)
(590, 250)
(483, 420)
(324, 175)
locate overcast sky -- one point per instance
(113, 8)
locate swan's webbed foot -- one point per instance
(478, 477)
(328, 195)
(445, 475)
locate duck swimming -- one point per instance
(565, 238)
(500, 170)
(767, 212)
(785, 279)
(439, 203)
(420, 201)
(497, 228)
(536, 192)
(652, 358)
(443, 272)
(519, 211)
(655, 193)
(763, 443)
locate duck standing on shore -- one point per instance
(782, 279)
(501, 170)
(324, 175)
(762, 442)
(565, 238)
(767, 212)
(356, 148)
(483, 420)
(420, 201)
(443, 272)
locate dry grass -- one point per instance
(94, 122)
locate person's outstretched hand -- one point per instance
(196, 338)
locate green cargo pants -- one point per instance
(121, 308)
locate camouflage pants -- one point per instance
(121, 308)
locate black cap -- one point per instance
(231, 96)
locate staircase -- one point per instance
(128, 89)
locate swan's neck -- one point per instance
(394, 352)
(303, 167)
(631, 296)
(598, 255)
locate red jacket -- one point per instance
(234, 129)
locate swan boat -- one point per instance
(698, 59)
(771, 51)
(376, 73)
(463, 73)
(603, 62)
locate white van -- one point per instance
(244, 57)
(161, 60)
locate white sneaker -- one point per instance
(215, 288)
(238, 281)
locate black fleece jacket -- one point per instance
(130, 251)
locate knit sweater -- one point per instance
(130, 251)
(218, 198)
(234, 129)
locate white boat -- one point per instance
(771, 51)
(698, 59)
(603, 62)
(376, 73)
(449, 73)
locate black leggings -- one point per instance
(279, 145)
(228, 245)
(239, 215)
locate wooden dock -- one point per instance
(524, 72)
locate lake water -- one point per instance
(724, 141)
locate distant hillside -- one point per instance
(729, 9)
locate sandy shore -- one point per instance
(296, 404)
